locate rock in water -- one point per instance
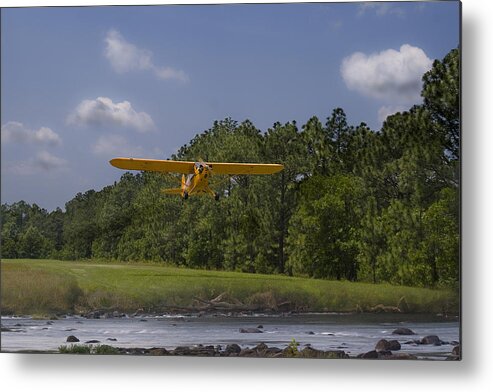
(250, 330)
(72, 339)
(394, 345)
(387, 345)
(382, 345)
(403, 331)
(431, 339)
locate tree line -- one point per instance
(351, 203)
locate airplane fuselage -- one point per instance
(198, 182)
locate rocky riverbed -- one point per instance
(241, 335)
(264, 351)
(384, 349)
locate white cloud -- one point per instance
(43, 162)
(16, 132)
(116, 145)
(386, 111)
(124, 57)
(170, 73)
(389, 75)
(380, 9)
(103, 111)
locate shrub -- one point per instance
(292, 349)
(104, 349)
(74, 349)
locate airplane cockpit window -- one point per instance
(199, 166)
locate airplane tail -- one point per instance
(177, 191)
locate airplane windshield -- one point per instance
(199, 166)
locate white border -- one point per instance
(78, 373)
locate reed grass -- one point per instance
(53, 286)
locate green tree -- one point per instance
(32, 244)
(113, 214)
(441, 93)
(318, 147)
(80, 226)
(283, 144)
(441, 238)
(322, 231)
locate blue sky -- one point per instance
(83, 85)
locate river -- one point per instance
(353, 333)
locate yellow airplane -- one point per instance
(196, 175)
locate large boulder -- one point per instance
(232, 349)
(369, 355)
(431, 339)
(384, 354)
(387, 345)
(382, 345)
(72, 339)
(394, 345)
(261, 348)
(403, 331)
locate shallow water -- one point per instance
(353, 333)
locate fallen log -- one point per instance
(223, 305)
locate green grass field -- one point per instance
(51, 286)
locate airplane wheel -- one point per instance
(216, 196)
(185, 195)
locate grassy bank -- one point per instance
(52, 286)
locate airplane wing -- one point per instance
(244, 168)
(153, 165)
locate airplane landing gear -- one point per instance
(185, 196)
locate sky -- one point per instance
(81, 85)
